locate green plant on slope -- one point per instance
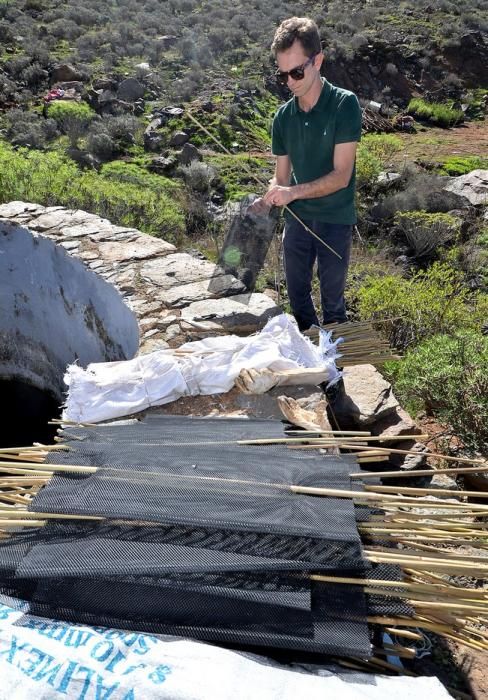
(440, 114)
(448, 377)
(431, 302)
(72, 117)
(461, 165)
(50, 179)
(374, 154)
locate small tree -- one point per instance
(73, 118)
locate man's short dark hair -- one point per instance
(300, 29)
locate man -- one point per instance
(314, 139)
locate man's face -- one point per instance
(293, 58)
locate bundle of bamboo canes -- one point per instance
(433, 541)
(361, 343)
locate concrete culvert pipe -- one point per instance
(53, 311)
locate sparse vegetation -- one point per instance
(441, 114)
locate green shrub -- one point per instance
(425, 232)
(50, 179)
(72, 117)
(431, 302)
(374, 154)
(440, 114)
(460, 165)
(448, 377)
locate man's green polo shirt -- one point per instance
(309, 138)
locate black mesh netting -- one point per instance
(201, 538)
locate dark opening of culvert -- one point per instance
(27, 412)
(54, 311)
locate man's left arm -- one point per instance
(338, 178)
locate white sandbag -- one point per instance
(45, 659)
(107, 390)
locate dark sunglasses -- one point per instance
(295, 73)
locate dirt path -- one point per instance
(435, 144)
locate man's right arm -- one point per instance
(281, 177)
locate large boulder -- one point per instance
(64, 72)
(130, 90)
(240, 313)
(473, 186)
(368, 398)
(431, 196)
(188, 154)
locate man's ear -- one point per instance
(319, 59)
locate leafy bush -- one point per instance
(448, 377)
(72, 117)
(441, 114)
(51, 179)
(425, 232)
(112, 135)
(198, 176)
(374, 154)
(461, 165)
(29, 129)
(431, 302)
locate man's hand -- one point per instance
(259, 207)
(279, 196)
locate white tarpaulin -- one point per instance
(51, 660)
(107, 390)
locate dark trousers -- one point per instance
(301, 250)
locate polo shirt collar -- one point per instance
(321, 103)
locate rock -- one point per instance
(409, 462)
(153, 141)
(84, 158)
(65, 72)
(443, 481)
(368, 397)
(130, 90)
(398, 422)
(178, 269)
(386, 180)
(152, 344)
(473, 186)
(266, 405)
(143, 247)
(75, 85)
(106, 97)
(105, 84)
(163, 165)
(188, 154)
(172, 332)
(242, 312)
(433, 197)
(221, 286)
(16, 208)
(169, 112)
(179, 138)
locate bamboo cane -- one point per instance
(54, 467)
(402, 474)
(386, 450)
(413, 491)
